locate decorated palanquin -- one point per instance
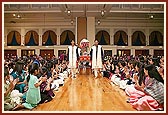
(84, 59)
(84, 43)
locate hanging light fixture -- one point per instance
(103, 10)
(67, 10)
(151, 16)
(17, 14)
(98, 22)
(72, 21)
(14, 14)
(102, 13)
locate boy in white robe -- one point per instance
(96, 54)
(72, 58)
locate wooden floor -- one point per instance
(86, 93)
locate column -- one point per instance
(40, 37)
(132, 51)
(129, 37)
(58, 36)
(91, 30)
(19, 52)
(81, 28)
(114, 51)
(111, 36)
(5, 38)
(37, 51)
(147, 37)
(56, 52)
(151, 51)
(22, 36)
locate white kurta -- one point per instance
(96, 62)
(72, 56)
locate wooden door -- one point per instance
(158, 52)
(121, 52)
(142, 52)
(107, 53)
(27, 52)
(47, 53)
(10, 53)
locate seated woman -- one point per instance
(127, 81)
(64, 71)
(152, 96)
(116, 78)
(106, 69)
(20, 74)
(45, 88)
(33, 96)
(9, 85)
(137, 78)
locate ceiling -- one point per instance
(49, 12)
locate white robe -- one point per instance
(96, 63)
(72, 57)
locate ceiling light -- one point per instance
(151, 17)
(18, 16)
(14, 15)
(72, 22)
(69, 12)
(102, 13)
(98, 22)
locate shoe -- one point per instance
(56, 89)
(128, 100)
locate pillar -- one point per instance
(81, 28)
(151, 51)
(91, 30)
(58, 36)
(40, 37)
(147, 37)
(114, 51)
(132, 51)
(22, 36)
(19, 52)
(37, 51)
(111, 36)
(129, 37)
(5, 38)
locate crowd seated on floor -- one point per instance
(141, 77)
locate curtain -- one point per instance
(32, 37)
(138, 41)
(49, 42)
(102, 40)
(49, 37)
(120, 41)
(14, 38)
(67, 40)
(31, 41)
